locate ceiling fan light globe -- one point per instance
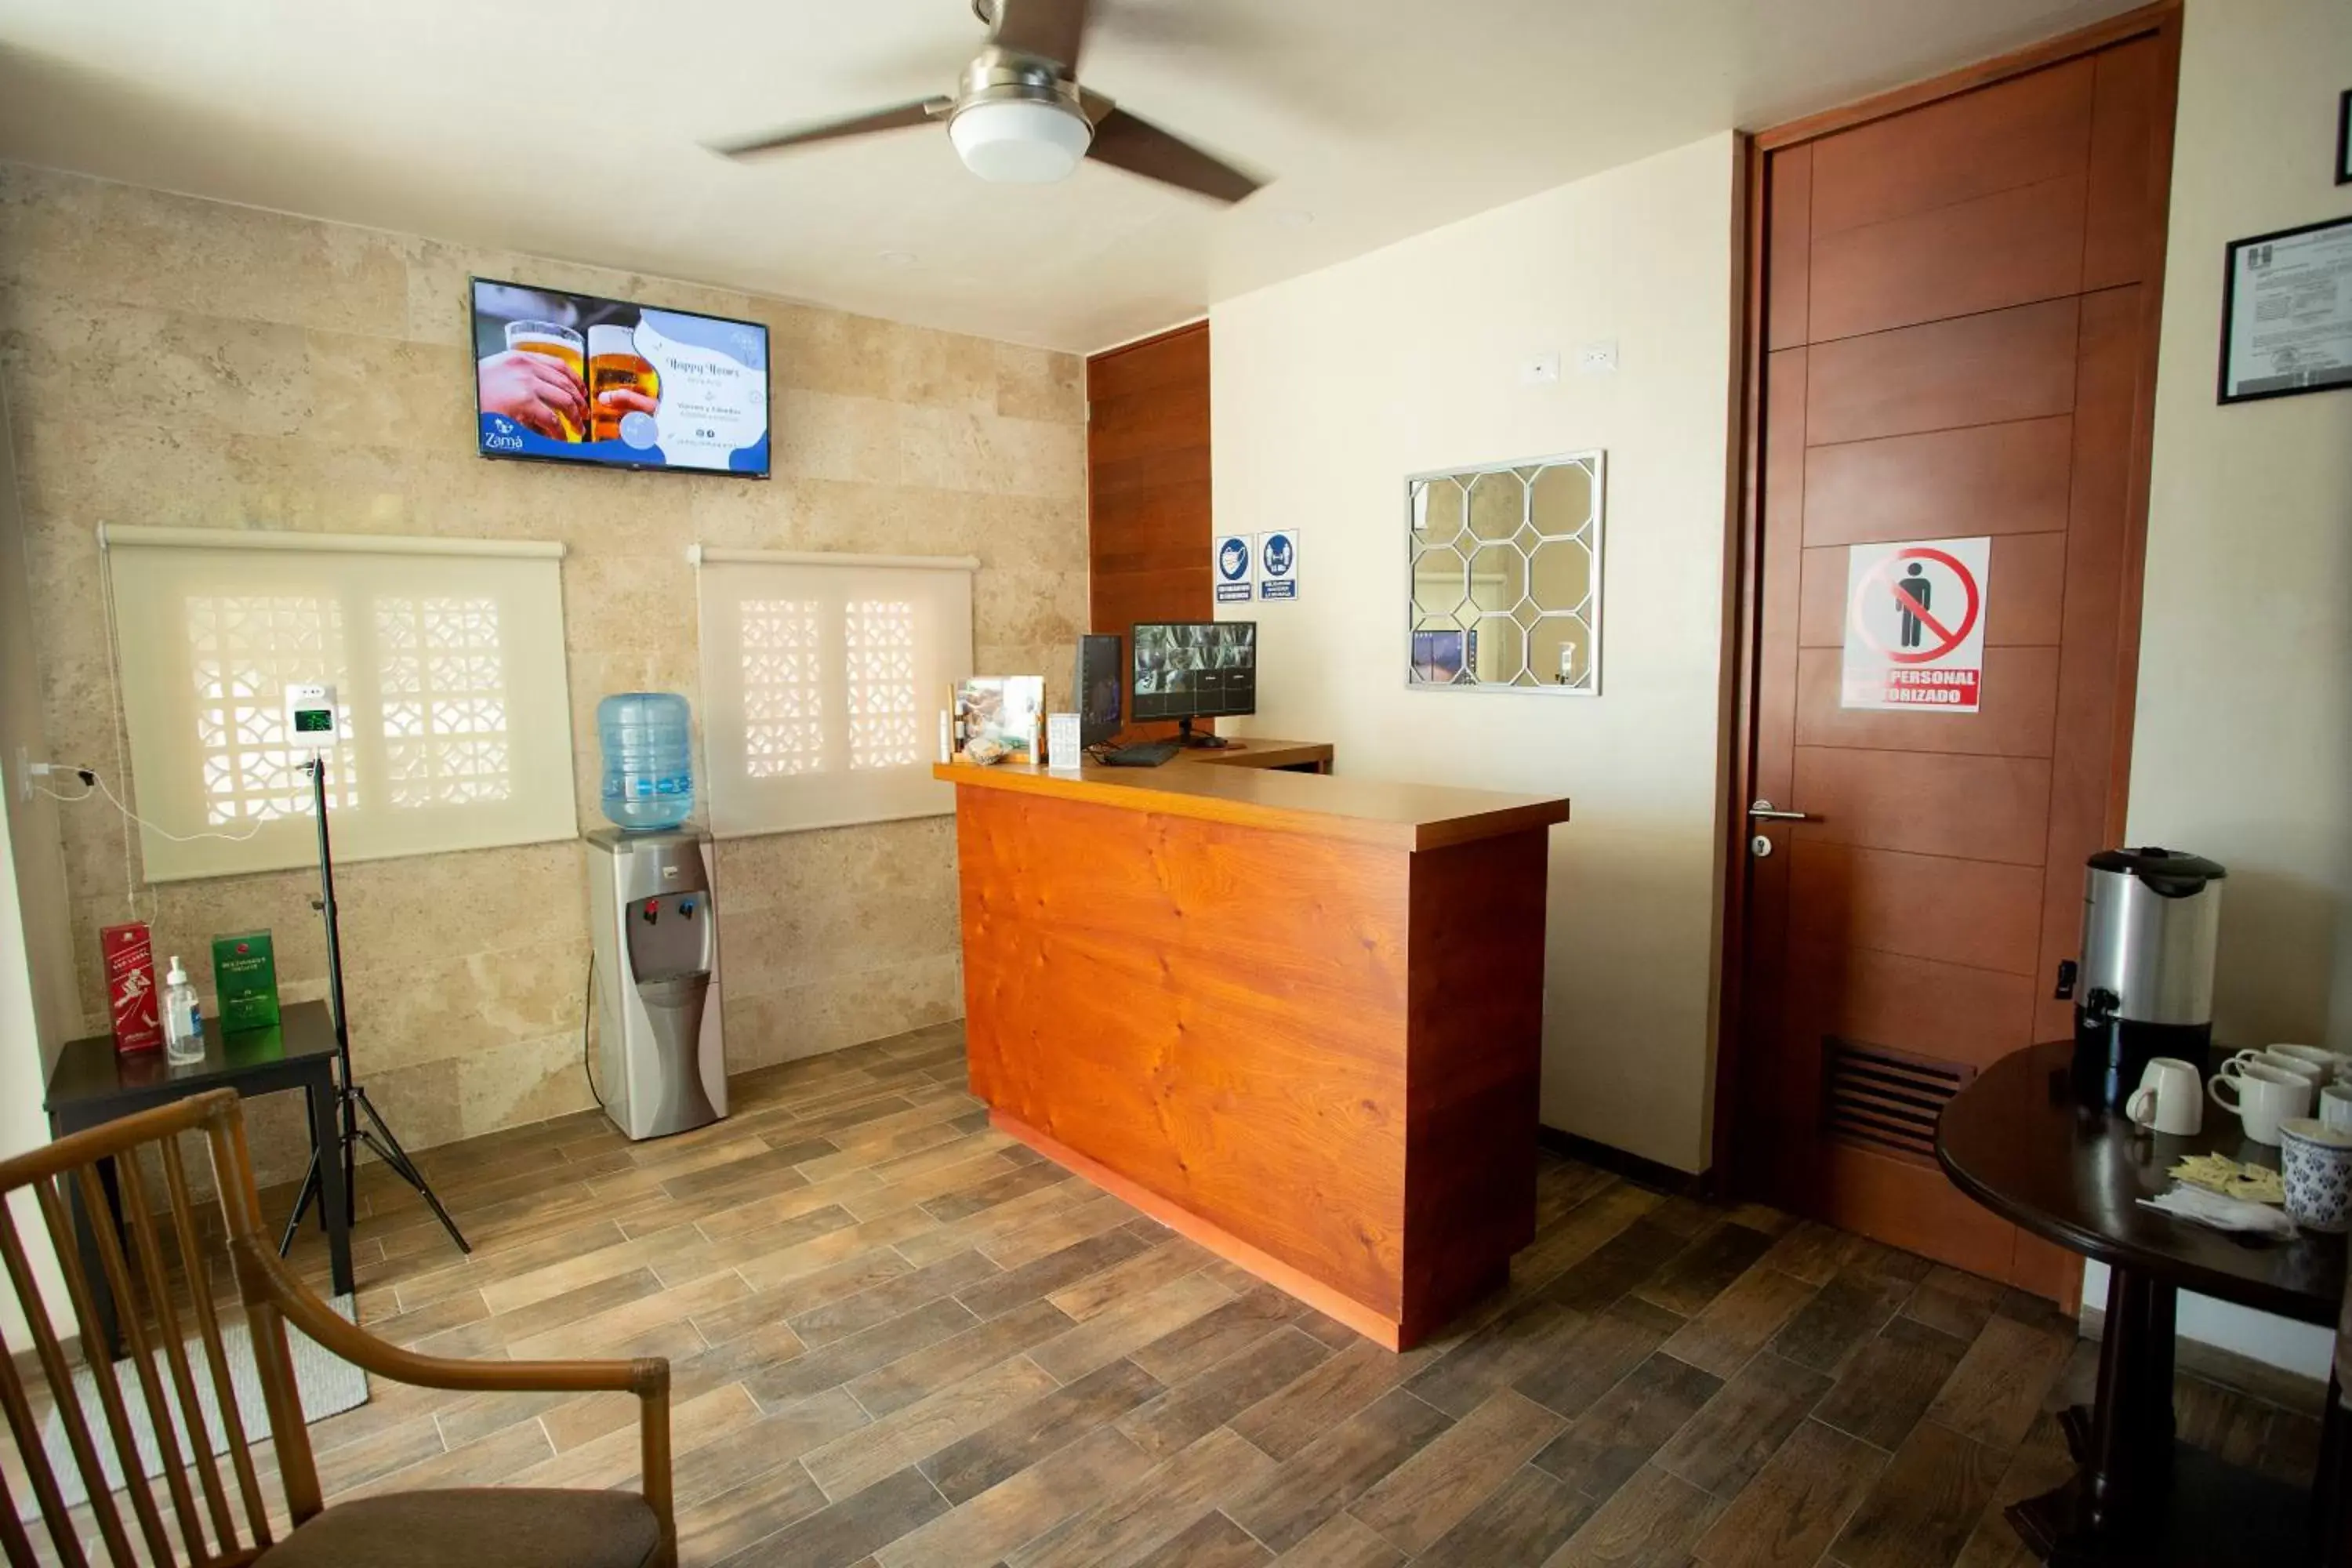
(1020, 142)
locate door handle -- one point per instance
(1764, 811)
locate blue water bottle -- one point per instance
(648, 759)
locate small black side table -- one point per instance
(2015, 1140)
(92, 1084)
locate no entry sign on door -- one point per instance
(1914, 624)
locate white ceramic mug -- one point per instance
(2332, 1065)
(2311, 1073)
(2263, 1097)
(2316, 1161)
(2336, 1106)
(2169, 1097)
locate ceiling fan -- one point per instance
(1019, 115)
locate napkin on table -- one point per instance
(2201, 1207)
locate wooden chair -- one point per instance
(159, 1277)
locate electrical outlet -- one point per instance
(1539, 369)
(1598, 358)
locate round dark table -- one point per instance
(2016, 1141)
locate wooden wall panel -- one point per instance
(1947, 1010)
(2019, 708)
(2010, 247)
(2130, 164)
(1977, 913)
(1915, 1206)
(1148, 490)
(1790, 224)
(2026, 587)
(1983, 808)
(2032, 129)
(1980, 369)
(1941, 484)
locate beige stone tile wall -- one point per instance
(181, 363)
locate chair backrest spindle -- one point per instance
(96, 1354)
(195, 1264)
(14, 1544)
(52, 1357)
(138, 1256)
(297, 1471)
(25, 1427)
(150, 1252)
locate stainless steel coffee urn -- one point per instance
(2145, 987)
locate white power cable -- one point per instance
(94, 783)
(114, 688)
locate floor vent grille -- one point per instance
(1885, 1098)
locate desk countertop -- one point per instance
(1235, 786)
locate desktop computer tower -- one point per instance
(1101, 687)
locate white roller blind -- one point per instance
(823, 677)
(446, 656)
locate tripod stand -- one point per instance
(351, 1099)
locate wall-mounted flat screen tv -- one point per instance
(572, 378)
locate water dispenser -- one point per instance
(661, 1059)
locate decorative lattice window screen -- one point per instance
(446, 656)
(822, 679)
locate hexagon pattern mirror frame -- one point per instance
(1505, 567)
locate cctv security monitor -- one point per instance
(1195, 670)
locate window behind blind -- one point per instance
(448, 661)
(822, 679)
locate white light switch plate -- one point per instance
(1539, 369)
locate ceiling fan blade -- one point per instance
(1051, 29)
(920, 112)
(1128, 142)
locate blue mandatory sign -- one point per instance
(1277, 560)
(1233, 563)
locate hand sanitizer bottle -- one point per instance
(184, 1024)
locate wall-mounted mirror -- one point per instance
(1506, 563)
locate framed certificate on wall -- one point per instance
(2287, 312)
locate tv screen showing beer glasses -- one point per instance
(572, 378)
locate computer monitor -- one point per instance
(1099, 685)
(1195, 670)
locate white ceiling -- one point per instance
(572, 129)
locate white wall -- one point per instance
(37, 1003)
(1328, 390)
(2243, 744)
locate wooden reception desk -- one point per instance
(1297, 1019)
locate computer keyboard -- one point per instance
(1142, 754)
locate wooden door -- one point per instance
(1955, 335)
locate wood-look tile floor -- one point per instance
(900, 1339)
